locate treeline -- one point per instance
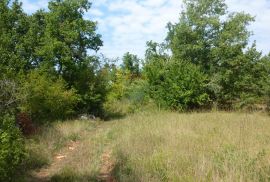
(48, 69)
(205, 62)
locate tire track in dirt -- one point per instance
(45, 174)
(107, 167)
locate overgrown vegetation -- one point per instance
(49, 71)
(228, 71)
(157, 146)
(12, 150)
(46, 98)
(215, 146)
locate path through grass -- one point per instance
(159, 146)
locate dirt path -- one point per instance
(68, 154)
(107, 166)
(47, 172)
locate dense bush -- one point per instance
(138, 92)
(12, 150)
(177, 85)
(46, 98)
(119, 85)
(117, 101)
(91, 84)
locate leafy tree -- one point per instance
(68, 37)
(215, 40)
(131, 63)
(58, 41)
(67, 40)
(13, 27)
(207, 35)
(175, 84)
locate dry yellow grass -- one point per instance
(165, 146)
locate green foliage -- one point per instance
(13, 27)
(90, 80)
(119, 85)
(58, 41)
(176, 84)
(66, 37)
(46, 98)
(138, 92)
(131, 63)
(12, 150)
(215, 40)
(116, 102)
(8, 100)
(128, 90)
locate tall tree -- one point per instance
(67, 40)
(68, 36)
(214, 39)
(13, 27)
(207, 35)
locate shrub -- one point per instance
(12, 150)
(46, 98)
(138, 93)
(177, 85)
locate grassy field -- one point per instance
(155, 146)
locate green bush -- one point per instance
(12, 150)
(46, 98)
(177, 85)
(138, 92)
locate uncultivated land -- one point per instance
(154, 146)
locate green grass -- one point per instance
(164, 146)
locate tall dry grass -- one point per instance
(80, 164)
(165, 146)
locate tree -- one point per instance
(68, 37)
(216, 41)
(174, 84)
(13, 27)
(131, 63)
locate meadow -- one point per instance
(157, 115)
(155, 146)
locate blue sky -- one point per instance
(126, 25)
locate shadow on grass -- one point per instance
(74, 178)
(66, 175)
(110, 116)
(123, 171)
(64, 178)
(69, 175)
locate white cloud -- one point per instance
(30, 6)
(131, 23)
(126, 25)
